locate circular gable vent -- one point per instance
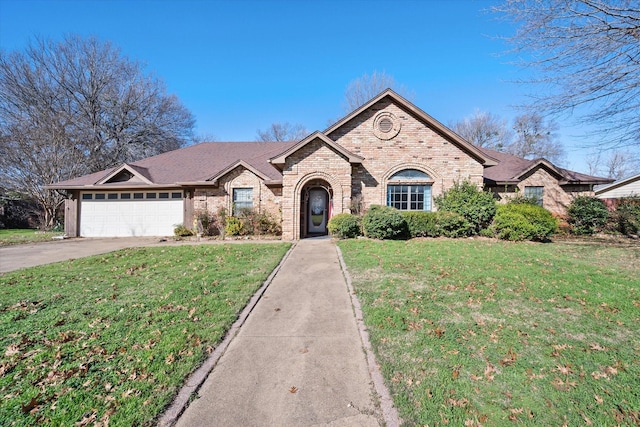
(386, 126)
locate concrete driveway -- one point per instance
(21, 256)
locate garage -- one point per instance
(128, 214)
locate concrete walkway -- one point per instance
(298, 360)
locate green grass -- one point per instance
(110, 339)
(18, 236)
(481, 332)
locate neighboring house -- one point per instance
(386, 152)
(611, 193)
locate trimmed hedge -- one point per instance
(520, 221)
(421, 224)
(587, 215)
(345, 226)
(384, 222)
(452, 224)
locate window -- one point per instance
(125, 196)
(87, 196)
(242, 199)
(99, 196)
(534, 193)
(151, 195)
(409, 190)
(112, 196)
(176, 195)
(138, 195)
(163, 195)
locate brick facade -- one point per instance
(556, 198)
(415, 146)
(212, 199)
(411, 144)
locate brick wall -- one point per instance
(555, 198)
(315, 162)
(415, 146)
(212, 199)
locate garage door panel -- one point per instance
(125, 218)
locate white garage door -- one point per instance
(125, 214)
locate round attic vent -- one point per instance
(386, 126)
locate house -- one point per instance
(387, 152)
(611, 193)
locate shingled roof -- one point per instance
(512, 169)
(197, 163)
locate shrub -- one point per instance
(452, 224)
(258, 223)
(522, 221)
(345, 226)
(520, 199)
(587, 215)
(233, 226)
(626, 218)
(207, 223)
(384, 222)
(421, 224)
(182, 231)
(476, 206)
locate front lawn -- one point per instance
(11, 236)
(481, 332)
(108, 340)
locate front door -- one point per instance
(318, 211)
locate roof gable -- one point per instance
(434, 124)
(281, 158)
(126, 173)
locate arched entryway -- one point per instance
(316, 208)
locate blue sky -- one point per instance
(241, 65)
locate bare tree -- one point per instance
(282, 132)
(535, 139)
(76, 107)
(484, 130)
(587, 57)
(362, 89)
(617, 164)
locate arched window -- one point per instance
(409, 190)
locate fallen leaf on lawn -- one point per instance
(12, 349)
(565, 370)
(489, 370)
(30, 406)
(458, 402)
(597, 347)
(293, 389)
(86, 419)
(598, 399)
(169, 359)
